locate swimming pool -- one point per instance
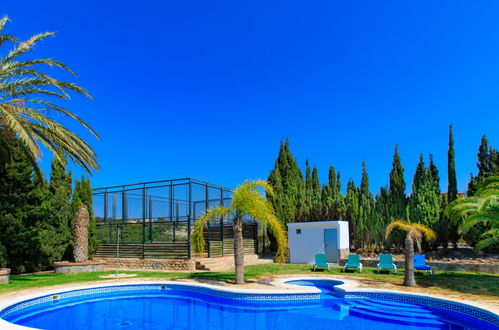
(174, 305)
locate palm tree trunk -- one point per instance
(238, 249)
(80, 234)
(409, 279)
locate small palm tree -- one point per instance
(247, 200)
(26, 98)
(415, 232)
(482, 208)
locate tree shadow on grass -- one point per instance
(36, 277)
(485, 284)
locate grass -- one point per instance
(464, 282)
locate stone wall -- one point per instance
(4, 275)
(151, 264)
(439, 265)
(343, 253)
(65, 267)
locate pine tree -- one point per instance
(450, 231)
(397, 199)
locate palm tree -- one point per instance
(415, 232)
(482, 208)
(248, 200)
(27, 96)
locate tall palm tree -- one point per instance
(248, 200)
(482, 208)
(27, 96)
(415, 232)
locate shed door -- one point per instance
(331, 245)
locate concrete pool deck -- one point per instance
(268, 284)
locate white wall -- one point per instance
(303, 247)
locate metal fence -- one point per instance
(158, 216)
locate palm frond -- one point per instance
(486, 242)
(397, 224)
(476, 218)
(428, 233)
(24, 47)
(197, 237)
(25, 102)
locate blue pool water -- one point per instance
(180, 309)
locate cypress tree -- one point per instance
(287, 180)
(450, 231)
(352, 210)
(382, 214)
(308, 192)
(397, 199)
(434, 177)
(316, 198)
(493, 161)
(365, 226)
(451, 170)
(29, 239)
(424, 203)
(487, 164)
(419, 176)
(332, 199)
(17, 206)
(59, 209)
(483, 158)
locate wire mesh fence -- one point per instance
(161, 212)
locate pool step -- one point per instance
(391, 307)
(393, 312)
(420, 321)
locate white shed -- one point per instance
(306, 239)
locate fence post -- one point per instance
(222, 220)
(144, 214)
(150, 219)
(206, 205)
(189, 222)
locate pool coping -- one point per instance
(279, 290)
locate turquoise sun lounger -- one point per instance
(353, 262)
(386, 263)
(320, 261)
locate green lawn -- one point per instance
(464, 282)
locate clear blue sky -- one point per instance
(207, 89)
